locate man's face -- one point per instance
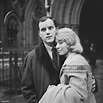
(47, 31)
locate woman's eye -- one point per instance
(60, 42)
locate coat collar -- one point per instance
(45, 59)
(68, 59)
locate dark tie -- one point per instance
(55, 57)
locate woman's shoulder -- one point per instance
(76, 59)
(81, 59)
(77, 62)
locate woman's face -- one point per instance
(62, 47)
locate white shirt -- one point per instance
(49, 50)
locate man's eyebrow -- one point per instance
(50, 26)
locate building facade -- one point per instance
(18, 20)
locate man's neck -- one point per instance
(52, 44)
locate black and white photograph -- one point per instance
(51, 51)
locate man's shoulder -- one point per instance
(34, 52)
(31, 53)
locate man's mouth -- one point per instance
(49, 37)
(58, 51)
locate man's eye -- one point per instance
(43, 29)
(50, 27)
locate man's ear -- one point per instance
(39, 34)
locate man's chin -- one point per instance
(50, 41)
(61, 54)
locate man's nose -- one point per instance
(47, 31)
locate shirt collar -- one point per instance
(49, 48)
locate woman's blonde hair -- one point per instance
(71, 38)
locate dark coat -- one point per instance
(38, 72)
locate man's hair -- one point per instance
(44, 18)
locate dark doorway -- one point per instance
(91, 25)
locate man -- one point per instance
(39, 69)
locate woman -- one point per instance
(75, 75)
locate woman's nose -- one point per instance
(57, 46)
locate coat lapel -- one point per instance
(45, 59)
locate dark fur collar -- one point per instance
(44, 57)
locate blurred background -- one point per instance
(19, 35)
